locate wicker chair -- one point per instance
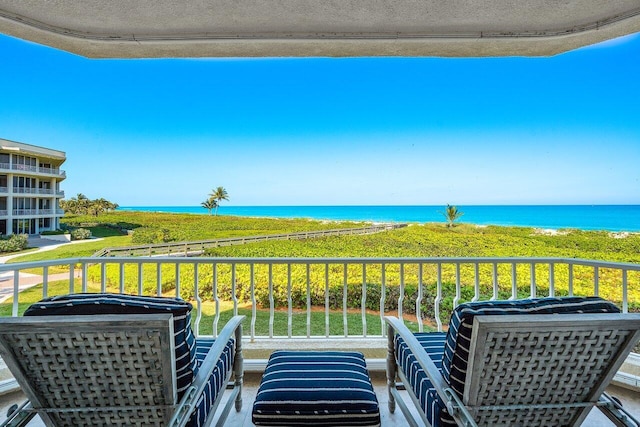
(113, 369)
(533, 362)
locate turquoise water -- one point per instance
(591, 217)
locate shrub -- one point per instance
(147, 235)
(80, 234)
(13, 243)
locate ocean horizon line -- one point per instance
(612, 217)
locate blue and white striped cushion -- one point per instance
(217, 379)
(456, 353)
(433, 344)
(90, 304)
(316, 388)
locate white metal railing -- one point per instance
(30, 168)
(27, 168)
(25, 190)
(334, 297)
(25, 212)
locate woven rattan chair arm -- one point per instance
(189, 400)
(454, 405)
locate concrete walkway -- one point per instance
(27, 280)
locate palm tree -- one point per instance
(451, 214)
(209, 205)
(219, 194)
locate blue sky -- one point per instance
(321, 131)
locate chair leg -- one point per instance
(238, 368)
(19, 416)
(391, 368)
(616, 413)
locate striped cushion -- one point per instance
(316, 388)
(431, 404)
(88, 304)
(217, 380)
(456, 353)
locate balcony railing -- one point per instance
(22, 212)
(335, 297)
(35, 169)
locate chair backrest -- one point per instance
(99, 370)
(544, 369)
(106, 303)
(456, 359)
(456, 352)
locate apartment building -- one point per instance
(30, 192)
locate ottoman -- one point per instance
(316, 388)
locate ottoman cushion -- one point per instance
(312, 388)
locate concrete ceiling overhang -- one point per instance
(310, 28)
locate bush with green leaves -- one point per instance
(149, 235)
(80, 234)
(13, 243)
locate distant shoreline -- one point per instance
(612, 218)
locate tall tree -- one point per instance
(218, 195)
(209, 205)
(452, 213)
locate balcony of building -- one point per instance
(34, 170)
(329, 303)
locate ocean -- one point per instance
(583, 217)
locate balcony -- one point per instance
(56, 172)
(330, 303)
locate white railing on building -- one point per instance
(25, 190)
(333, 289)
(20, 212)
(4, 212)
(27, 168)
(4, 189)
(30, 168)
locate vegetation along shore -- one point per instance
(127, 228)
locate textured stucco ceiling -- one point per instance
(223, 28)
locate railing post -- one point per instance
(401, 296)
(289, 303)
(216, 299)
(326, 301)
(345, 300)
(308, 300)
(570, 267)
(271, 301)
(533, 288)
(383, 296)
(419, 300)
(625, 292)
(254, 303)
(364, 300)
(196, 295)
(476, 283)
(458, 290)
(436, 301)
